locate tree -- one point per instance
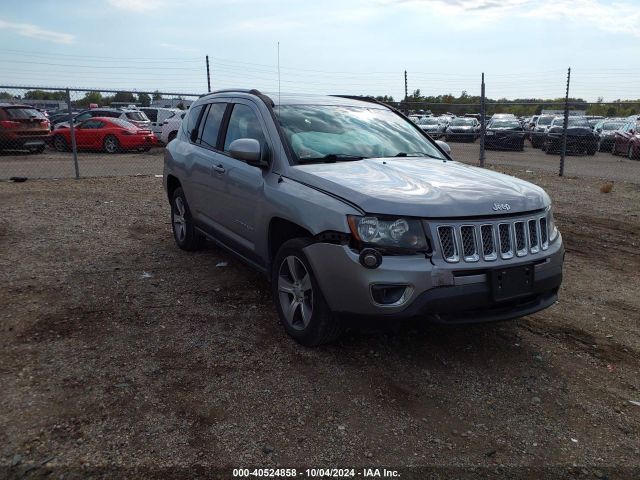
(157, 96)
(124, 97)
(91, 97)
(144, 99)
(6, 96)
(42, 95)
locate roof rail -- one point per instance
(370, 100)
(252, 91)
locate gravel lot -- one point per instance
(120, 353)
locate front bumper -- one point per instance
(438, 292)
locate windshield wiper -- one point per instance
(417, 154)
(332, 158)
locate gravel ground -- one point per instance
(120, 353)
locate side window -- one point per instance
(151, 113)
(211, 125)
(83, 116)
(91, 124)
(191, 119)
(243, 123)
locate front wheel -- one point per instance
(59, 143)
(631, 154)
(301, 307)
(111, 144)
(184, 232)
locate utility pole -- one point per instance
(565, 125)
(208, 76)
(406, 94)
(482, 121)
(72, 132)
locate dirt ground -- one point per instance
(121, 353)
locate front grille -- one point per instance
(475, 241)
(448, 243)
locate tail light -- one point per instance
(9, 124)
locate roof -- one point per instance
(300, 98)
(23, 105)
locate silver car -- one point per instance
(351, 210)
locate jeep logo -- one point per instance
(498, 207)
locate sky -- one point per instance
(524, 47)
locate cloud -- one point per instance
(614, 17)
(137, 5)
(33, 31)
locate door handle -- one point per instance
(218, 168)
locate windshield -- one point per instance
(505, 124)
(463, 121)
(123, 123)
(572, 122)
(428, 121)
(317, 131)
(612, 125)
(545, 120)
(23, 113)
(137, 116)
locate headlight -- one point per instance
(385, 232)
(553, 230)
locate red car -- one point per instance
(102, 133)
(627, 141)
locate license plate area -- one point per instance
(512, 282)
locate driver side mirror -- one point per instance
(247, 150)
(444, 146)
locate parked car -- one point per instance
(626, 141)
(432, 126)
(462, 129)
(157, 116)
(580, 137)
(606, 129)
(593, 120)
(504, 134)
(537, 132)
(104, 133)
(23, 127)
(138, 118)
(171, 126)
(352, 210)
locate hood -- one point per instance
(421, 187)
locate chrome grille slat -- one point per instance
(534, 240)
(469, 244)
(520, 239)
(488, 243)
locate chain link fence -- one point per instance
(55, 133)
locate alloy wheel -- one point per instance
(295, 292)
(179, 221)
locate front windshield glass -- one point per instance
(317, 131)
(545, 120)
(612, 125)
(463, 122)
(428, 121)
(572, 122)
(504, 124)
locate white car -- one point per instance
(171, 125)
(158, 115)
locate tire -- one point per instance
(60, 144)
(36, 150)
(111, 144)
(592, 150)
(301, 307)
(184, 233)
(630, 153)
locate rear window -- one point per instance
(151, 113)
(137, 116)
(123, 123)
(23, 113)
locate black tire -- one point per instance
(322, 326)
(630, 153)
(592, 150)
(111, 144)
(59, 143)
(39, 149)
(184, 233)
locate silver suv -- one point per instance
(350, 210)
